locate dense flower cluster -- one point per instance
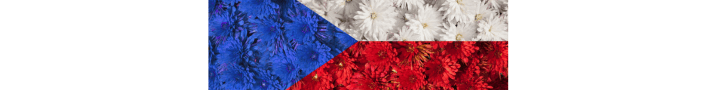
(417, 20)
(408, 65)
(267, 44)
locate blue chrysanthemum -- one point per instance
(263, 80)
(286, 70)
(258, 8)
(254, 46)
(312, 56)
(302, 27)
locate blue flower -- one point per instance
(302, 27)
(311, 56)
(258, 8)
(286, 70)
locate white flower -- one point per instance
(459, 10)
(375, 18)
(351, 7)
(493, 29)
(495, 4)
(459, 32)
(482, 12)
(428, 18)
(330, 10)
(406, 34)
(408, 4)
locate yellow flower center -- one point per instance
(340, 64)
(315, 77)
(459, 2)
(424, 25)
(459, 37)
(374, 15)
(479, 17)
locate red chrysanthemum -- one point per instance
(440, 70)
(317, 80)
(413, 53)
(469, 79)
(342, 68)
(380, 53)
(497, 58)
(371, 78)
(409, 78)
(460, 50)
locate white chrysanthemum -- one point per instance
(459, 32)
(408, 4)
(406, 34)
(482, 12)
(351, 7)
(495, 4)
(428, 18)
(330, 10)
(493, 29)
(375, 18)
(400, 19)
(459, 10)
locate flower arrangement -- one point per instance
(417, 20)
(267, 44)
(408, 65)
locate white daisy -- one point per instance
(493, 29)
(375, 18)
(459, 10)
(428, 18)
(459, 32)
(408, 4)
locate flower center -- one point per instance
(395, 71)
(315, 77)
(340, 64)
(374, 15)
(459, 2)
(479, 17)
(424, 25)
(459, 37)
(491, 28)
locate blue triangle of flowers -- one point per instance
(267, 44)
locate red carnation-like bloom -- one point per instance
(317, 80)
(409, 78)
(441, 70)
(371, 78)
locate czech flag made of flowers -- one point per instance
(358, 45)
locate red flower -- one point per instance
(317, 80)
(460, 50)
(413, 53)
(342, 68)
(372, 78)
(379, 53)
(469, 79)
(497, 58)
(441, 70)
(409, 78)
